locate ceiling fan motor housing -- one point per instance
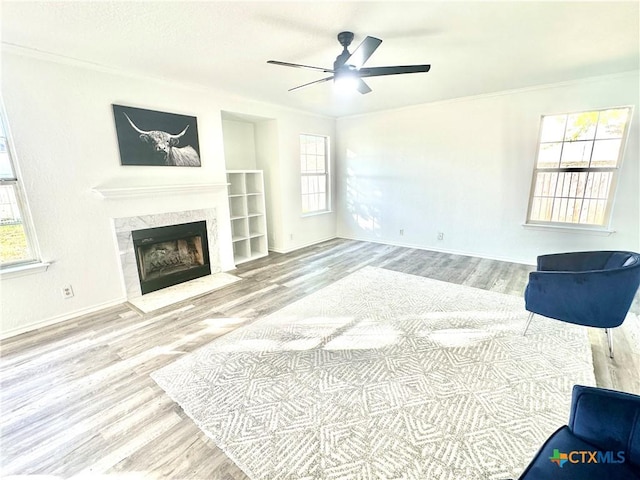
(345, 39)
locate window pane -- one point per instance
(545, 210)
(581, 126)
(576, 154)
(553, 128)
(541, 209)
(322, 184)
(13, 239)
(550, 180)
(581, 183)
(612, 122)
(598, 185)
(313, 203)
(545, 184)
(549, 155)
(605, 153)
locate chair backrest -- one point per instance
(607, 419)
(586, 288)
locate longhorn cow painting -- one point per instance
(147, 137)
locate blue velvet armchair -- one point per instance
(601, 441)
(594, 289)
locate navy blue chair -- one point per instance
(605, 425)
(594, 289)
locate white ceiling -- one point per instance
(473, 47)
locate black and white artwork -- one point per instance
(148, 137)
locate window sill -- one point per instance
(601, 232)
(26, 269)
(314, 214)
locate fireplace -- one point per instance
(171, 255)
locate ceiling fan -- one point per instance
(349, 66)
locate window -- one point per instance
(314, 171)
(16, 246)
(576, 168)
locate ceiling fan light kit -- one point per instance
(348, 69)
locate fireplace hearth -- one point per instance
(170, 255)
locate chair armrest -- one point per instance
(608, 419)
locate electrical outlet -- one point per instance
(401, 231)
(440, 236)
(67, 291)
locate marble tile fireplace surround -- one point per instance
(124, 227)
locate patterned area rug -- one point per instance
(384, 375)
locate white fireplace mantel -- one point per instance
(114, 191)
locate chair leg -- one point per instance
(609, 333)
(528, 322)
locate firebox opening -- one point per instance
(171, 255)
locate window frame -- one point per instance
(326, 174)
(34, 261)
(611, 196)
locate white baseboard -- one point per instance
(60, 318)
(443, 250)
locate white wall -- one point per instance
(239, 144)
(62, 124)
(268, 160)
(464, 168)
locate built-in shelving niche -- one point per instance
(248, 148)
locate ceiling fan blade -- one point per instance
(396, 70)
(311, 83)
(363, 52)
(363, 87)
(297, 65)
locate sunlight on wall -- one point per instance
(363, 198)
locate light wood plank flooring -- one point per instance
(77, 399)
